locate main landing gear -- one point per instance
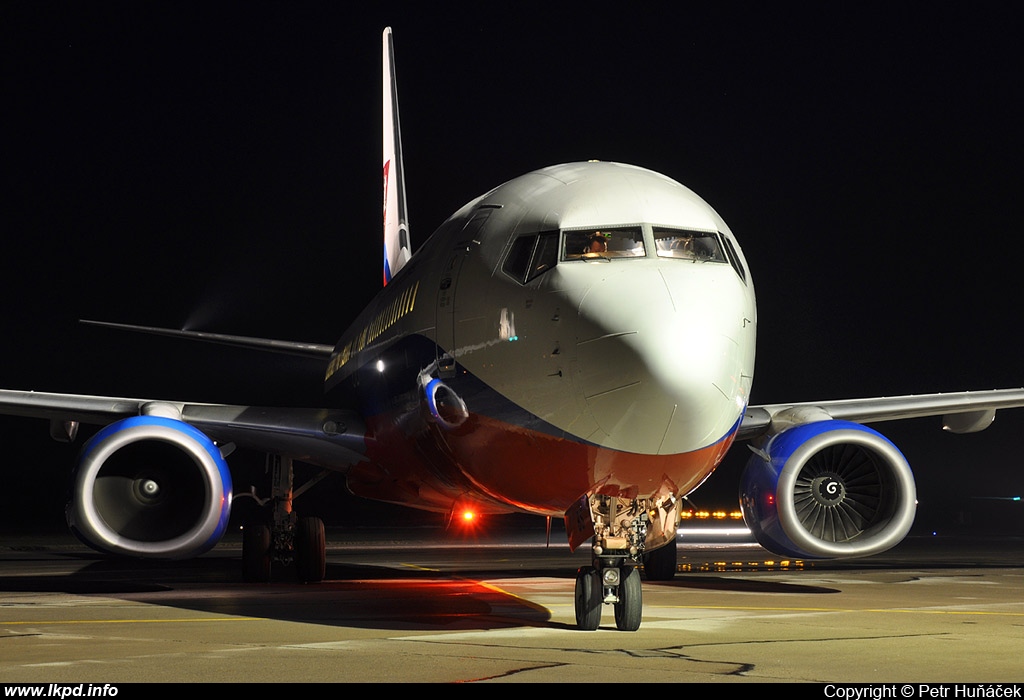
(281, 538)
(626, 533)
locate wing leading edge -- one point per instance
(314, 351)
(962, 412)
(331, 438)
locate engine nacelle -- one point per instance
(828, 490)
(150, 486)
(446, 407)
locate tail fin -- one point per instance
(397, 246)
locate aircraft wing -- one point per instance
(962, 412)
(325, 437)
(315, 351)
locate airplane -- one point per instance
(576, 343)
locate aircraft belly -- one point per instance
(519, 458)
(542, 473)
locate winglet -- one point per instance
(397, 246)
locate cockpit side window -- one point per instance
(701, 246)
(545, 255)
(518, 259)
(603, 243)
(530, 256)
(734, 259)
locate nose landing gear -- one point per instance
(621, 532)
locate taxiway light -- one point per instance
(719, 514)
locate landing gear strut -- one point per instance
(620, 532)
(627, 533)
(281, 538)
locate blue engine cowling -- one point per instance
(149, 486)
(828, 490)
(446, 407)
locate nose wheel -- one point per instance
(612, 583)
(588, 598)
(629, 608)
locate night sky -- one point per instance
(216, 166)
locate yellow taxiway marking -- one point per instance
(529, 603)
(108, 622)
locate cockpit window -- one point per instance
(530, 256)
(518, 259)
(604, 243)
(734, 259)
(688, 245)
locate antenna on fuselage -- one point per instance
(397, 245)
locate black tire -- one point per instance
(256, 553)
(588, 598)
(630, 607)
(660, 564)
(310, 550)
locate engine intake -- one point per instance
(149, 486)
(828, 490)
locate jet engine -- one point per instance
(446, 407)
(150, 486)
(828, 490)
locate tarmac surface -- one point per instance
(425, 605)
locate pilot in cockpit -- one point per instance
(683, 247)
(597, 243)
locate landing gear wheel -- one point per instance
(629, 609)
(256, 553)
(660, 563)
(310, 550)
(588, 598)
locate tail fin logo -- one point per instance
(397, 245)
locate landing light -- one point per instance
(380, 366)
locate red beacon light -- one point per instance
(464, 518)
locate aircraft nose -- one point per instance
(659, 361)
